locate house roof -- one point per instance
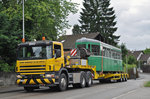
(145, 57)
(69, 40)
(136, 53)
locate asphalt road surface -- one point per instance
(132, 89)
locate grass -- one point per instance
(147, 84)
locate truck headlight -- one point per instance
(49, 75)
(19, 76)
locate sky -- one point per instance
(133, 22)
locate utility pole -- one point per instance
(126, 64)
(23, 39)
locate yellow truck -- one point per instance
(42, 63)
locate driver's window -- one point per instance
(57, 48)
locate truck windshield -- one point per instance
(35, 52)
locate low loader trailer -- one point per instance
(43, 63)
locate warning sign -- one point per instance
(73, 52)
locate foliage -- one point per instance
(131, 60)
(4, 66)
(76, 29)
(124, 52)
(9, 38)
(48, 17)
(147, 51)
(98, 16)
(147, 84)
(42, 16)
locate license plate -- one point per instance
(21, 80)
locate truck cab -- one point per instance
(39, 63)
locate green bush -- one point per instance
(5, 67)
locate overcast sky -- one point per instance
(133, 22)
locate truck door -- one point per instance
(59, 59)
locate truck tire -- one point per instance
(120, 80)
(63, 84)
(102, 81)
(82, 79)
(82, 83)
(29, 89)
(89, 80)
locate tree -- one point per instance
(41, 16)
(76, 29)
(98, 16)
(131, 60)
(9, 38)
(147, 51)
(124, 52)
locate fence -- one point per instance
(146, 68)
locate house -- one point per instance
(136, 54)
(145, 58)
(69, 40)
(140, 56)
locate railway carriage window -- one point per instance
(117, 55)
(96, 49)
(113, 54)
(104, 50)
(89, 47)
(81, 46)
(109, 53)
(121, 56)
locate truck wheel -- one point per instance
(89, 80)
(82, 79)
(102, 81)
(29, 89)
(63, 82)
(120, 80)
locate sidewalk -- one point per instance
(11, 88)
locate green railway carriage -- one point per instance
(105, 57)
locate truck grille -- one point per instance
(38, 68)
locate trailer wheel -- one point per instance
(29, 89)
(89, 80)
(62, 82)
(120, 80)
(126, 78)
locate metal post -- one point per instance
(126, 64)
(23, 38)
(23, 20)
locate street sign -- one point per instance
(73, 52)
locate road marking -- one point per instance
(129, 92)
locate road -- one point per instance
(132, 89)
